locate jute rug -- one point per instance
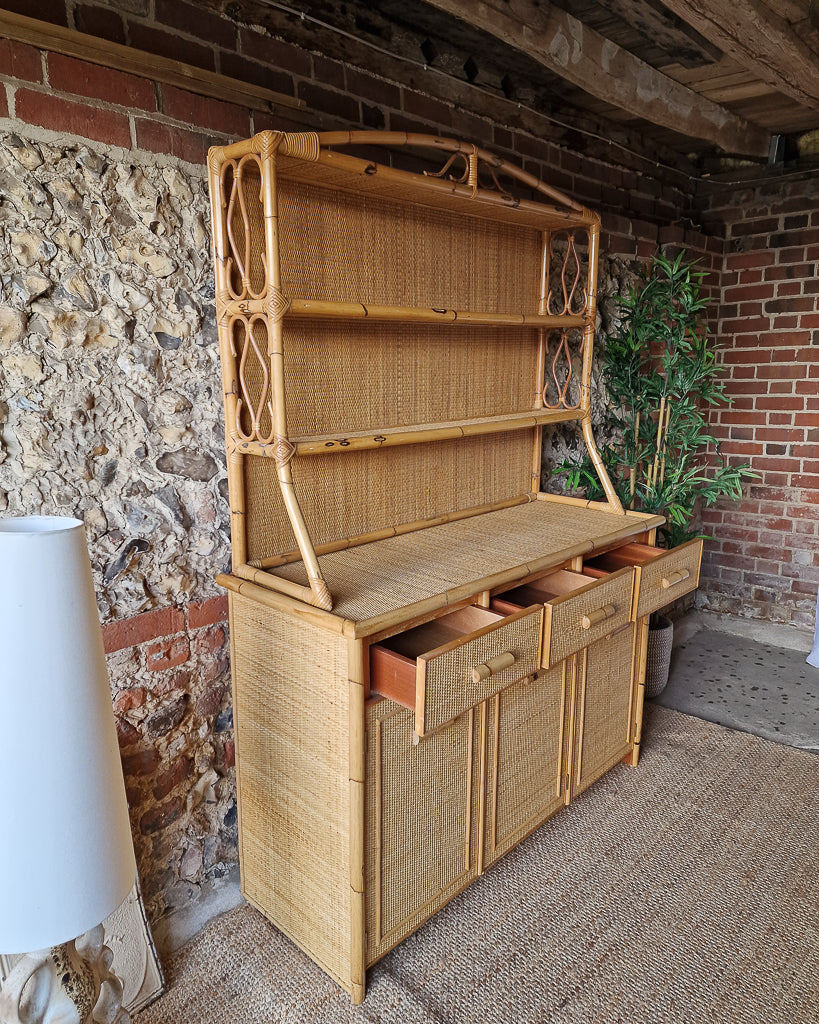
(686, 891)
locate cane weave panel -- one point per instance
(292, 771)
(358, 248)
(448, 684)
(353, 493)
(525, 759)
(605, 708)
(466, 373)
(422, 812)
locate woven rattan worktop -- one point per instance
(467, 556)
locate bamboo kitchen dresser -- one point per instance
(430, 656)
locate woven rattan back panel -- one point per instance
(342, 377)
(352, 493)
(291, 719)
(525, 759)
(605, 708)
(358, 248)
(422, 814)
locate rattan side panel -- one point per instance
(448, 687)
(604, 727)
(422, 813)
(292, 750)
(525, 776)
(352, 493)
(341, 377)
(356, 248)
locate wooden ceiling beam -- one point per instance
(759, 39)
(566, 47)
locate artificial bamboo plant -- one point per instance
(661, 375)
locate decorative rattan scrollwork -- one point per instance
(561, 389)
(475, 173)
(253, 397)
(574, 293)
(241, 182)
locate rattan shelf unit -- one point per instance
(430, 656)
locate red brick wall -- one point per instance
(764, 559)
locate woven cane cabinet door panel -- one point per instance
(422, 820)
(526, 759)
(604, 708)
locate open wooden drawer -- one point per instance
(662, 575)
(444, 667)
(577, 610)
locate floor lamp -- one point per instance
(66, 857)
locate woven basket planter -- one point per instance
(658, 656)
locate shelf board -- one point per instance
(360, 440)
(316, 309)
(411, 314)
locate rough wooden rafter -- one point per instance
(759, 39)
(583, 57)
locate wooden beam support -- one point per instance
(758, 39)
(583, 57)
(690, 49)
(57, 39)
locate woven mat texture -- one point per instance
(686, 891)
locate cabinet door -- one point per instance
(422, 820)
(526, 757)
(604, 707)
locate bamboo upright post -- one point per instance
(277, 304)
(540, 371)
(238, 534)
(357, 683)
(585, 386)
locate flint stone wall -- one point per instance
(110, 411)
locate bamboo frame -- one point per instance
(315, 309)
(388, 437)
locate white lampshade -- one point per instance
(66, 852)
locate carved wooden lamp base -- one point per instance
(68, 984)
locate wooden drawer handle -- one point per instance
(674, 578)
(489, 668)
(598, 616)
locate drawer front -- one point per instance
(460, 675)
(582, 617)
(663, 579)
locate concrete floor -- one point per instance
(745, 675)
